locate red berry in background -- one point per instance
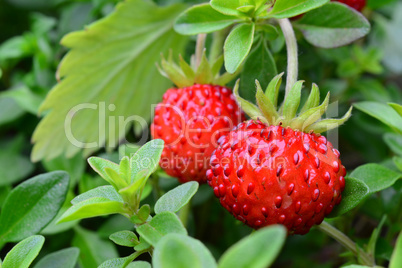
(192, 117)
(190, 120)
(356, 4)
(281, 171)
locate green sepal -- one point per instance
(173, 72)
(272, 90)
(310, 116)
(328, 124)
(204, 74)
(313, 99)
(292, 101)
(265, 105)
(186, 68)
(250, 109)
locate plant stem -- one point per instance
(345, 241)
(291, 46)
(199, 49)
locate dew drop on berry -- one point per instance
(296, 158)
(327, 177)
(258, 223)
(235, 190)
(317, 162)
(290, 188)
(214, 160)
(222, 190)
(264, 211)
(246, 209)
(316, 194)
(236, 209)
(240, 171)
(282, 218)
(306, 175)
(250, 188)
(342, 183)
(278, 201)
(216, 191)
(227, 170)
(217, 170)
(318, 208)
(336, 152)
(343, 171)
(210, 175)
(298, 221)
(329, 209)
(335, 165)
(297, 206)
(306, 147)
(322, 148)
(322, 139)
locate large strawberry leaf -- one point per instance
(109, 73)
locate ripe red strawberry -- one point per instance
(356, 4)
(280, 171)
(191, 118)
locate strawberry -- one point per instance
(278, 169)
(191, 118)
(356, 4)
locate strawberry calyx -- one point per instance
(185, 75)
(308, 119)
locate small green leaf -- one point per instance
(124, 238)
(146, 159)
(105, 191)
(333, 25)
(259, 65)
(180, 251)
(355, 192)
(228, 7)
(115, 177)
(32, 205)
(328, 124)
(238, 45)
(161, 225)
(65, 258)
(93, 250)
(202, 19)
(24, 252)
(176, 198)
(139, 264)
(396, 107)
(93, 207)
(142, 215)
(370, 249)
(382, 112)
(143, 245)
(376, 177)
(396, 259)
(290, 8)
(258, 250)
(204, 73)
(117, 262)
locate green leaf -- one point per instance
(9, 110)
(125, 238)
(25, 98)
(139, 264)
(228, 7)
(238, 45)
(396, 107)
(355, 192)
(376, 177)
(142, 215)
(290, 8)
(93, 207)
(176, 198)
(382, 112)
(396, 259)
(258, 250)
(161, 225)
(24, 252)
(114, 224)
(259, 65)
(93, 250)
(370, 249)
(32, 205)
(65, 258)
(117, 262)
(180, 251)
(202, 19)
(333, 25)
(105, 191)
(394, 142)
(146, 159)
(364, 181)
(75, 167)
(99, 165)
(116, 75)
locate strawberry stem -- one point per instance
(345, 241)
(199, 49)
(291, 46)
(217, 45)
